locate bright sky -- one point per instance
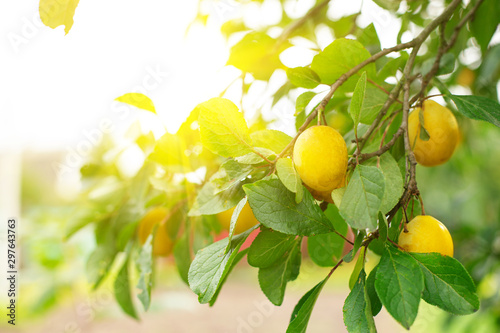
(55, 87)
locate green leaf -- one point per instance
(326, 249)
(145, 266)
(303, 100)
(275, 207)
(169, 151)
(234, 218)
(479, 108)
(383, 226)
(448, 285)
(223, 129)
(489, 68)
(343, 26)
(424, 135)
(399, 284)
(99, 263)
(369, 38)
(122, 291)
(232, 26)
(226, 273)
(290, 178)
(282, 92)
(256, 53)
(138, 100)
(229, 174)
(268, 247)
(54, 13)
(209, 201)
(337, 196)
(254, 158)
(375, 303)
(363, 198)
(391, 5)
(446, 64)
(391, 67)
(485, 22)
(360, 264)
(206, 271)
(302, 311)
(372, 104)
(273, 140)
(357, 244)
(273, 279)
(358, 316)
(357, 100)
(182, 255)
(338, 58)
(303, 77)
(393, 181)
(84, 216)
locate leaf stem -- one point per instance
(382, 150)
(395, 244)
(382, 88)
(343, 237)
(334, 268)
(390, 100)
(421, 204)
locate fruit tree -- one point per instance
(367, 120)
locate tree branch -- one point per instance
(415, 44)
(443, 48)
(390, 100)
(383, 149)
(344, 77)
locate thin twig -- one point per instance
(390, 100)
(343, 237)
(287, 32)
(382, 88)
(261, 156)
(386, 131)
(396, 244)
(334, 268)
(383, 149)
(421, 204)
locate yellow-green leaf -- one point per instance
(257, 53)
(223, 129)
(338, 58)
(58, 12)
(138, 100)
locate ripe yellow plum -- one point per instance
(320, 157)
(442, 127)
(426, 234)
(162, 244)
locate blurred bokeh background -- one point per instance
(58, 95)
